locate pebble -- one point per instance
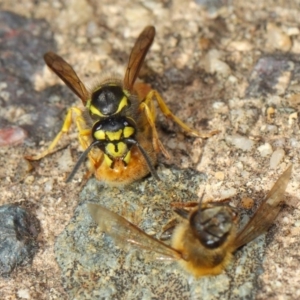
(228, 193)
(29, 180)
(48, 186)
(276, 158)
(247, 202)
(241, 46)
(220, 107)
(292, 31)
(293, 117)
(212, 64)
(294, 143)
(23, 294)
(12, 136)
(269, 128)
(265, 149)
(277, 39)
(18, 233)
(220, 175)
(240, 142)
(65, 162)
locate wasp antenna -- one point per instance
(80, 160)
(148, 161)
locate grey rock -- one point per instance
(94, 267)
(18, 232)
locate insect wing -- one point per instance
(67, 74)
(125, 232)
(137, 56)
(267, 211)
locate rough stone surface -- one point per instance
(18, 233)
(259, 42)
(93, 265)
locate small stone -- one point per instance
(220, 107)
(292, 31)
(277, 39)
(269, 128)
(23, 294)
(294, 143)
(18, 232)
(297, 223)
(212, 64)
(29, 179)
(220, 175)
(12, 136)
(241, 46)
(48, 186)
(276, 158)
(65, 161)
(247, 202)
(293, 117)
(240, 142)
(228, 193)
(265, 149)
(270, 75)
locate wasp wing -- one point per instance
(266, 212)
(137, 56)
(67, 74)
(125, 232)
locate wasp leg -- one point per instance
(83, 133)
(150, 115)
(166, 111)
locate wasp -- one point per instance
(117, 126)
(207, 237)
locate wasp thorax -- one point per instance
(212, 225)
(108, 100)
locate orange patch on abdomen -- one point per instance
(120, 174)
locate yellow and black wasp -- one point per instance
(117, 127)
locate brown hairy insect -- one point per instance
(206, 239)
(118, 134)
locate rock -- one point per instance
(270, 75)
(240, 142)
(276, 158)
(12, 136)
(265, 149)
(213, 64)
(88, 257)
(18, 232)
(277, 39)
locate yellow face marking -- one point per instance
(128, 131)
(99, 135)
(114, 136)
(118, 151)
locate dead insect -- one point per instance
(206, 239)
